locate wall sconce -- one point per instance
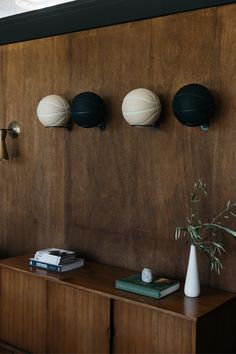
(193, 105)
(141, 107)
(14, 131)
(53, 111)
(88, 110)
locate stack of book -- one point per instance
(56, 259)
(157, 289)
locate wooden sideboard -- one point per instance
(82, 312)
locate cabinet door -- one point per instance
(77, 321)
(22, 310)
(142, 330)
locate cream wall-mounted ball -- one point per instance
(53, 111)
(141, 107)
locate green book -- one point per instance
(157, 289)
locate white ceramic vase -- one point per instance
(192, 285)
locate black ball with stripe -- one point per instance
(193, 105)
(88, 110)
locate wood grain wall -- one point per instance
(116, 196)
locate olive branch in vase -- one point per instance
(204, 235)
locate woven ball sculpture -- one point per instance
(141, 107)
(193, 105)
(53, 111)
(88, 110)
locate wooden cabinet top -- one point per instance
(100, 279)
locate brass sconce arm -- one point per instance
(14, 131)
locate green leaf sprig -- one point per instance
(204, 234)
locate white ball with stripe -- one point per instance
(53, 111)
(141, 107)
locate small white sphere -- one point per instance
(141, 107)
(53, 111)
(146, 275)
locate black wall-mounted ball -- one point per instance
(193, 105)
(88, 110)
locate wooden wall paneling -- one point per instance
(3, 243)
(21, 296)
(223, 141)
(101, 168)
(33, 197)
(141, 330)
(164, 171)
(116, 196)
(77, 321)
(143, 214)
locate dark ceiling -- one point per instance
(80, 15)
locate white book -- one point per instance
(54, 260)
(49, 250)
(55, 256)
(48, 258)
